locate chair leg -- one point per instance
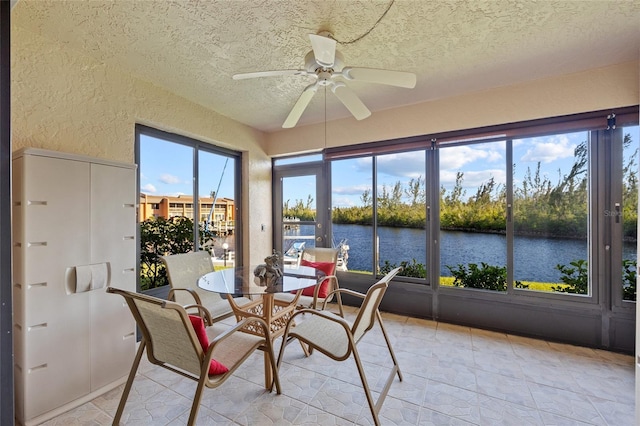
(195, 405)
(386, 339)
(307, 350)
(127, 386)
(372, 405)
(285, 342)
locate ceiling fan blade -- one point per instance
(300, 106)
(372, 75)
(324, 49)
(275, 73)
(351, 101)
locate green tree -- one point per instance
(416, 191)
(630, 192)
(159, 237)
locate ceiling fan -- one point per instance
(326, 66)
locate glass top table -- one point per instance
(241, 281)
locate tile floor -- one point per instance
(452, 376)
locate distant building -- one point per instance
(222, 219)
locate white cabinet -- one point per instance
(74, 233)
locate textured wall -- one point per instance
(65, 101)
(593, 90)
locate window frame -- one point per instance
(196, 146)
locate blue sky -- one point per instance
(166, 168)
(479, 163)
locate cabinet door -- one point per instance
(113, 240)
(55, 203)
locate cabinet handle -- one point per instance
(37, 367)
(37, 244)
(32, 327)
(34, 285)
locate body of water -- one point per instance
(534, 258)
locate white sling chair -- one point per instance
(337, 338)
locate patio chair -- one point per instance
(326, 260)
(183, 344)
(337, 338)
(183, 271)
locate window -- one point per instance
(529, 227)
(551, 213)
(352, 210)
(473, 243)
(180, 179)
(401, 213)
(625, 215)
(514, 205)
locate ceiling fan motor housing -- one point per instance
(312, 66)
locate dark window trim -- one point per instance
(7, 412)
(596, 120)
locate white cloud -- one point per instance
(476, 178)
(350, 190)
(169, 179)
(455, 158)
(149, 188)
(473, 179)
(343, 202)
(549, 149)
(406, 164)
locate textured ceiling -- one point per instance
(192, 48)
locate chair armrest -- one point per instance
(340, 291)
(238, 327)
(329, 295)
(203, 313)
(325, 314)
(193, 293)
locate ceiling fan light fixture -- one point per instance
(324, 49)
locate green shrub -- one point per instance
(576, 278)
(413, 269)
(159, 237)
(629, 280)
(485, 277)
